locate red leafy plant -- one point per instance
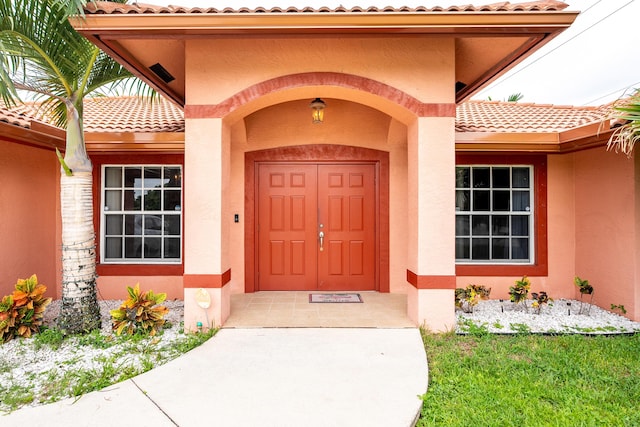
(467, 298)
(22, 312)
(139, 313)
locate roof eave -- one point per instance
(105, 30)
(436, 23)
(584, 137)
(37, 134)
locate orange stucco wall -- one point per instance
(607, 227)
(218, 69)
(29, 216)
(115, 287)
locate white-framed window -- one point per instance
(141, 214)
(494, 214)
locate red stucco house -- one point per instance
(228, 184)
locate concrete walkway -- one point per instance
(264, 377)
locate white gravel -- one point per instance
(25, 364)
(558, 317)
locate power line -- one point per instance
(625, 88)
(562, 44)
(589, 8)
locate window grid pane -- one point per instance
(142, 218)
(494, 214)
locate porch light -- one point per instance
(318, 105)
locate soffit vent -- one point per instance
(162, 72)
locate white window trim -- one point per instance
(531, 214)
(103, 237)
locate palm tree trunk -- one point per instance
(80, 311)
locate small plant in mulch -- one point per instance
(585, 289)
(539, 300)
(619, 308)
(469, 297)
(518, 293)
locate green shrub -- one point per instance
(139, 313)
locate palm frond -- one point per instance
(76, 7)
(515, 97)
(72, 7)
(128, 87)
(42, 53)
(624, 137)
(55, 110)
(105, 71)
(110, 78)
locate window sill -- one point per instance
(501, 270)
(140, 269)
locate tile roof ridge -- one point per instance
(121, 97)
(534, 104)
(106, 7)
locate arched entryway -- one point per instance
(334, 189)
(407, 146)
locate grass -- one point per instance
(532, 380)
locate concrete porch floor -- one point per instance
(277, 309)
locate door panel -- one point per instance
(287, 219)
(296, 203)
(346, 206)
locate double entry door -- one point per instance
(316, 226)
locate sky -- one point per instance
(595, 61)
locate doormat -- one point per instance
(335, 298)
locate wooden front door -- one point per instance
(316, 227)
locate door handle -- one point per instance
(321, 237)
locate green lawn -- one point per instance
(532, 380)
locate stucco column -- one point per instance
(431, 212)
(206, 227)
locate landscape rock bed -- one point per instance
(559, 317)
(26, 364)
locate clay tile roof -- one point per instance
(114, 114)
(104, 7)
(17, 116)
(494, 116)
(132, 114)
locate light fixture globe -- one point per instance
(318, 106)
